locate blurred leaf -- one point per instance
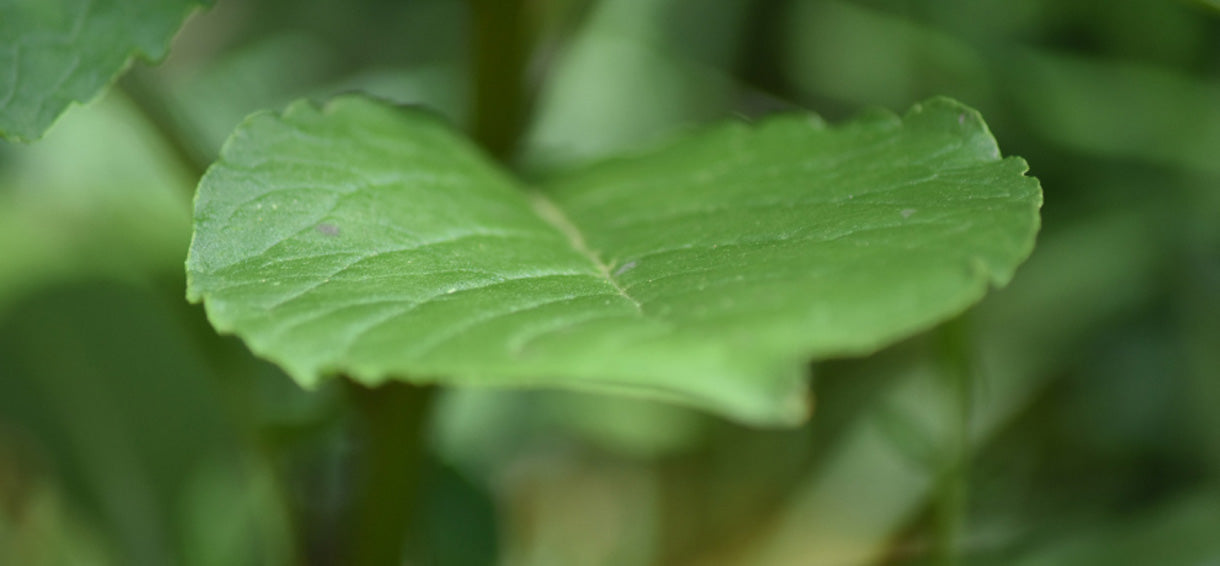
(881, 470)
(1120, 109)
(1181, 533)
(118, 397)
(267, 73)
(458, 521)
(1027, 338)
(232, 516)
(612, 510)
(633, 428)
(376, 242)
(207, 97)
(621, 83)
(120, 209)
(480, 429)
(1200, 313)
(56, 52)
(864, 56)
(44, 531)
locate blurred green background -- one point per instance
(1072, 419)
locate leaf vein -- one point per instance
(554, 216)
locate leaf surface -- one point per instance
(376, 242)
(55, 52)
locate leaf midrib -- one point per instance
(556, 217)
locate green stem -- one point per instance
(151, 103)
(956, 364)
(391, 430)
(501, 48)
(393, 417)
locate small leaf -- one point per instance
(55, 52)
(376, 242)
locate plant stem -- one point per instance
(393, 417)
(151, 103)
(956, 365)
(501, 47)
(392, 422)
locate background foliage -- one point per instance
(131, 434)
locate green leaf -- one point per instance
(55, 52)
(376, 242)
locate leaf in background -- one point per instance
(885, 465)
(591, 106)
(55, 52)
(1121, 110)
(376, 242)
(851, 53)
(120, 210)
(1179, 531)
(39, 528)
(119, 400)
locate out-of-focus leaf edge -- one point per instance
(152, 58)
